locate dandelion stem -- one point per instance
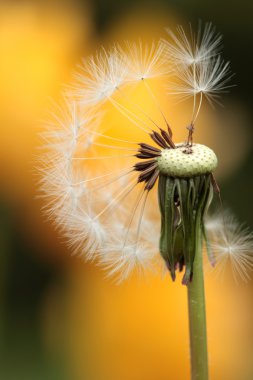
(197, 313)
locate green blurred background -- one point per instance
(59, 317)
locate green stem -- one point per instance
(197, 314)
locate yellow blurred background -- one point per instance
(60, 318)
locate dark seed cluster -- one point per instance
(148, 168)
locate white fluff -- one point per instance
(99, 76)
(121, 258)
(101, 208)
(231, 243)
(85, 234)
(195, 49)
(209, 78)
(145, 61)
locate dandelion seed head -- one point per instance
(175, 162)
(98, 184)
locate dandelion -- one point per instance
(119, 198)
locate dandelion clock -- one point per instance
(135, 199)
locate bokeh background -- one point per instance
(60, 319)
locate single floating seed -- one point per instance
(177, 163)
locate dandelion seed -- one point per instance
(145, 61)
(120, 261)
(210, 78)
(231, 243)
(194, 50)
(68, 123)
(99, 77)
(85, 233)
(61, 192)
